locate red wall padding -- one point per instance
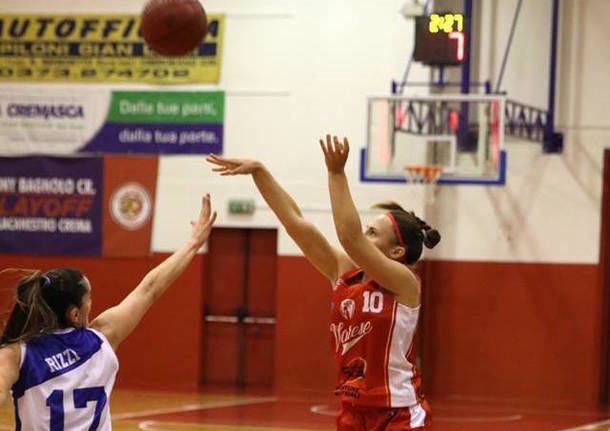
(492, 330)
(513, 331)
(164, 351)
(302, 348)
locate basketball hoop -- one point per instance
(423, 174)
(425, 179)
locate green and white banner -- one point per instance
(155, 122)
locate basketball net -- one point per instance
(422, 185)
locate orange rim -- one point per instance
(428, 174)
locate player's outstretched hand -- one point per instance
(203, 226)
(335, 153)
(227, 166)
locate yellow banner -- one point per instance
(94, 48)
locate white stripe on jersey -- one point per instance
(400, 370)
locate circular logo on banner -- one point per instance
(131, 206)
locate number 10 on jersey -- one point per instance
(373, 302)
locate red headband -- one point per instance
(396, 230)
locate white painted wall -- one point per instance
(550, 208)
(294, 70)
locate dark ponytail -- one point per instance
(414, 231)
(41, 303)
(431, 236)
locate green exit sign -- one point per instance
(241, 206)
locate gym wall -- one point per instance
(521, 259)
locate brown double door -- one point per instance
(239, 304)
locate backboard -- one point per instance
(462, 133)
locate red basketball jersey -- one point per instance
(372, 337)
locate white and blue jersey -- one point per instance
(65, 381)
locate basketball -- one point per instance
(173, 27)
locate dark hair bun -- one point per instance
(431, 238)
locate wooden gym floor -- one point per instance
(165, 411)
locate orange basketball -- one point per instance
(173, 27)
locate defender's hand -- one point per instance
(203, 226)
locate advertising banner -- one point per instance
(85, 206)
(94, 48)
(51, 205)
(63, 121)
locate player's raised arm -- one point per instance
(117, 322)
(389, 273)
(327, 259)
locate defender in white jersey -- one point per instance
(61, 369)
(71, 372)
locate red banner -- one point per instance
(130, 184)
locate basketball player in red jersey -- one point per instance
(376, 296)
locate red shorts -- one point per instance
(358, 418)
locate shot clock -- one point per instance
(440, 39)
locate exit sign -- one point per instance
(241, 206)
